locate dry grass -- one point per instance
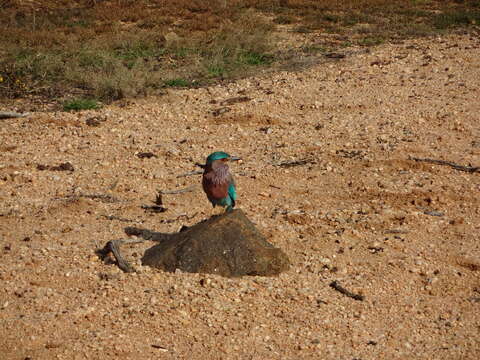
(120, 48)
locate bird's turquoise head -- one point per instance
(220, 155)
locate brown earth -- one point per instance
(351, 208)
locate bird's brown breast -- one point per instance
(213, 188)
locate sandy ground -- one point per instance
(355, 209)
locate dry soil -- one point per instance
(326, 176)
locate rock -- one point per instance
(95, 120)
(172, 38)
(227, 245)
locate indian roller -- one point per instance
(217, 181)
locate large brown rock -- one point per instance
(227, 245)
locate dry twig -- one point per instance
(288, 164)
(113, 247)
(395, 231)
(335, 285)
(154, 208)
(114, 217)
(10, 115)
(433, 213)
(469, 169)
(105, 198)
(180, 191)
(196, 172)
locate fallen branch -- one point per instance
(182, 216)
(113, 217)
(220, 111)
(433, 213)
(335, 285)
(10, 115)
(154, 208)
(288, 164)
(106, 198)
(146, 234)
(235, 100)
(190, 173)
(395, 231)
(114, 185)
(180, 191)
(469, 169)
(146, 155)
(62, 167)
(113, 247)
(334, 55)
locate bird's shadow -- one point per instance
(150, 235)
(141, 235)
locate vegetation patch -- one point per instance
(455, 18)
(113, 49)
(253, 58)
(80, 104)
(177, 83)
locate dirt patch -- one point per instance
(245, 119)
(384, 249)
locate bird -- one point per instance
(218, 182)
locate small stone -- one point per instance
(172, 38)
(95, 121)
(325, 261)
(419, 262)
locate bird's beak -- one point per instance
(234, 158)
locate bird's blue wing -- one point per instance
(232, 192)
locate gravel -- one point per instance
(350, 208)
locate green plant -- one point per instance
(181, 52)
(354, 18)
(135, 51)
(420, 2)
(284, 19)
(91, 59)
(371, 41)
(302, 29)
(455, 18)
(177, 83)
(80, 23)
(313, 49)
(331, 17)
(215, 70)
(253, 58)
(80, 104)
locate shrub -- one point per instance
(80, 104)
